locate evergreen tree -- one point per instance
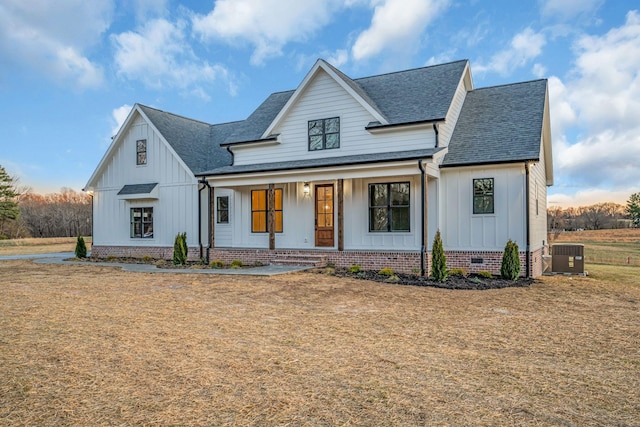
(81, 248)
(438, 261)
(180, 249)
(510, 268)
(9, 210)
(633, 209)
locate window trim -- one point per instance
(141, 151)
(132, 221)
(324, 134)
(492, 195)
(389, 207)
(219, 210)
(266, 211)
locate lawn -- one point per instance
(92, 345)
(40, 245)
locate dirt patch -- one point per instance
(94, 345)
(469, 282)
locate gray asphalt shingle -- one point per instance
(137, 189)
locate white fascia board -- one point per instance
(320, 64)
(409, 167)
(546, 139)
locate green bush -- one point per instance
(355, 268)
(393, 279)
(438, 260)
(510, 268)
(458, 272)
(147, 258)
(180, 249)
(387, 271)
(81, 248)
(486, 274)
(236, 263)
(216, 263)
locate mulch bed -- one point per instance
(469, 282)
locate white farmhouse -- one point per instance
(348, 171)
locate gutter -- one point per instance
(233, 157)
(423, 250)
(528, 245)
(435, 129)
(374, 127)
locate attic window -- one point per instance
(141, 152)
(324, 134)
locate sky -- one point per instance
(70, 71)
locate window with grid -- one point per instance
(142, 223)
(483, 196)
(141, 152)
(260, 210)
(324, 134)
(389, 206)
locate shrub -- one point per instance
(387, 271)
(180, 249)
(458, 272)
(146, 258)
(330, 271)
(510, 268)
(81, 248)
(393, 279)
(355, 268)
(486, 274)
(438, 260)
(258, 264)
(331, 264)
(236, 263)
(216, 263)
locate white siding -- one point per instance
(461, 229)
(538, 191)
(446, 129)
(223, 232)
(325, 98)
(174, 211)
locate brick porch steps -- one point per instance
(301, 260)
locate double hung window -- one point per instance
(260, 210)
(141, 222)
(389, 206)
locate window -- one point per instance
(222, 208)
(483, 196)
(324, 134)
(141, 152)
(389, 207)
(142, 222)
(260, 211)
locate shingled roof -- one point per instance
(499, 124)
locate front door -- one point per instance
(324, 215)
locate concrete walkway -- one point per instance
(60, 258)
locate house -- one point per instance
(340, 170)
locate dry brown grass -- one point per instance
(92, 345)
(631, 235)
(40, 245)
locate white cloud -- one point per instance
(539, 70)
(145, 9)
(268, 25)
(119, 115)
(596, 131)
(566, 9)
(159, 56)
(397, 25)
(524, 47)
(51, 37)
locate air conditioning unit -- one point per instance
(567, 259)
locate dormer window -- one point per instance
(324, 134)
(141, 152)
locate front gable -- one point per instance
(119, 166)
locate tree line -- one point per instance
(26, 214)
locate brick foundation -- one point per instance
(400, 261)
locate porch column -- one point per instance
(341, 214)
(271, 217)
(212, 221)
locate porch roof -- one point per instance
(325, 162)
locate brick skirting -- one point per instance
(400, 261)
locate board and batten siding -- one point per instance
(325, 98)
(175, 209)
(299, 218)
(538, 192)
(461, 229)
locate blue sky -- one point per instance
(70, 70)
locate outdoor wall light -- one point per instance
(305, 189)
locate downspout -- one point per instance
(232, 155)
(528, 248)
(422, 214)
(435, 129)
